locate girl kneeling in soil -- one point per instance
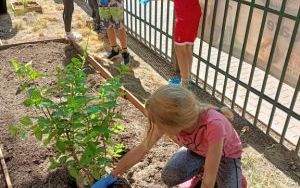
(211, 149)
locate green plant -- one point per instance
(79, 124)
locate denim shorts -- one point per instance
(185, 164)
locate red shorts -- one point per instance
(187, 18)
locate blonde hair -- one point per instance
(174, 108)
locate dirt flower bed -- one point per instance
(28, 161)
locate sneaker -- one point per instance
(175, 81)
(114, 53)
(74, 36)
(126, 58)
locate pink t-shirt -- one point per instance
(212, 126)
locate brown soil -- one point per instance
(27, 160)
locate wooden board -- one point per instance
(62, 40)
(5, 170)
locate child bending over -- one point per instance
(211, 148)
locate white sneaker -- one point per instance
(74, 36)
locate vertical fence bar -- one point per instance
(155, 25)
(211, 41)
(173, 24)
(260, 36)
(220, 45)
(243, 52)
(127, 18)
(284, 70)
(150, 23)
(167, 28)
(131, 25)
(295, 96)
(140, 21)
(270, 61)
(161, 26)
(298, 146)
(201, 41)
(237, 14)
(135, 19)
(145, 24)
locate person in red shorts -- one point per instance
(187, 18)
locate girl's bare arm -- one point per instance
(137, 153)
(212, 162)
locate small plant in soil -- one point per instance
(77, 123)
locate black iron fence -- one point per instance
(246, 55)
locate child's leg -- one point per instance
(67, 14)
(230, 173)
(182, 166)
(190, 58)
(112, 37)
(123, 37)
(182, 54)
(187, 15)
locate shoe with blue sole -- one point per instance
(175, 81)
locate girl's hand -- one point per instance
(105, 182)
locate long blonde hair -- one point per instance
(174, 108)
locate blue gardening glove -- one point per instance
(103, 2)
(144, 2)
(105, 182)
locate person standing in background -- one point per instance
(67, 16)
(112, 14)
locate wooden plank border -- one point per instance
(61, 40)
(5, 170)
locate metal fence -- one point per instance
(247, 56)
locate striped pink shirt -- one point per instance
(212, 126)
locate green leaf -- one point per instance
(110, 104)
(38, 132)
(85, 160)
(15, 65)
(44, 122)
(50, 136)
(95, 109)
(95, 170)
(28, 103)
(26, 121)
(91, 149)
(62, 159)
(14, 129)
(61, 146)
(53, 163)
(118, 128)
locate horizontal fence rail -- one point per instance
(246, 55)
